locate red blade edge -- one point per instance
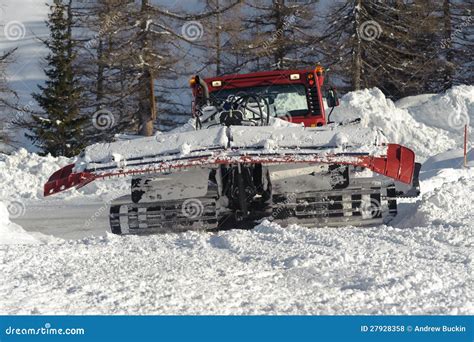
(65, 178)
(399, 164)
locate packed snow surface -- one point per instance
(420, 264)
(268, 270)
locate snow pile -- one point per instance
(13, 234)
(24, 174)
(448, 111)
(451, 159)
(428, 124)
(356, 138)
(447, 189)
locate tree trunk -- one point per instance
(448, 70)
(218, 40)
(146, 106)
(356, 54)
(100, 75)
(280, 34)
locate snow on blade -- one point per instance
(360, 138)
(162, 143)
(215, 142)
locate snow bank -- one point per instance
(447, 189)
(23, 175)
(449, 203)
(428, 124)
(452, 159)
(13, 234)
(448, 111)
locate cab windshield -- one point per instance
(283, 100)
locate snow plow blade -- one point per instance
(65, 179)
(227, 177)
(398, 164)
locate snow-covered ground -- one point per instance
(64, 262)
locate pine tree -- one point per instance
(222, 37)
(108, 75)
(457, 44)
(5, 93)
(59, 130)
(390, 44)
(132, 60)
(279, 34)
